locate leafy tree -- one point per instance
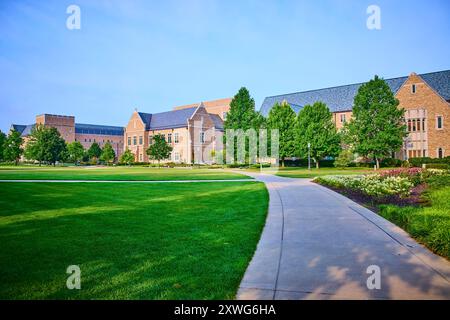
(127, 157)
(160, 149)
(242, 111)
(75, 151)
(282, 117)
(242, 115)
(315, 126)
(344, 159)
(2, 144)
(376, 128)
(94, 151)
(12, 147)
(108, 153)
(45, 145)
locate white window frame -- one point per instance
(202, 137)
(176, 137)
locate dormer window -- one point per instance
(413, 88)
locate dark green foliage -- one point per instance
(94, 151)
(2, 144)
(12, 149)
(45, 145)
(75, 151)
(282, 117)
(108, 153)
(127, 157)
(377, 127)
(159, 149)
(315, 126)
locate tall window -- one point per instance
(169, 138)
(129, 141)
(176, 137)
(343, 118)
(163, 136)
(202, 137)
(134, 140)
(440, 153)
(177, 156)
(413, 88)
(150, 140)
(439, 122)
(140, 140)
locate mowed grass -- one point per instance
(114, 173)
(131, 241)
(430, 225)
(302, 172)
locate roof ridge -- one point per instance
(351, 84)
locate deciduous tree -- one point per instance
(12, 147)
(377, 127)
(160, 149)
(75, 151)
(108, 153)
(314, 125)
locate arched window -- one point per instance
(440, 153)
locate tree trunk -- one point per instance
(317, 164)
(378, 163)
(282, 162)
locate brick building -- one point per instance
(87, 134)
(219, 107)
(191, 130)
(425, 98)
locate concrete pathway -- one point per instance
(318, 244)
(126, 181)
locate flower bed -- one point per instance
(398, 182)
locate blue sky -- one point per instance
(153, 55)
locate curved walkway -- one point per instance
(318, 244)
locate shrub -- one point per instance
(344, 159)
(437, 166)
(391, 162)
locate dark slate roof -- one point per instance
(23, 129)
(341, 98)
(167, 120)
(218, 122)
(98, 129)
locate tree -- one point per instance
(2, 144)
(75, 151)
(315, 126)
(127, 157)
(45, 145)
(344, 159)
(94, 151)
(376, 128)
(242, 115)
(12, 147)
(282, 117)
(108, 153)
(242, 111)
(160, 149)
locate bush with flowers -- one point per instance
(386, 183)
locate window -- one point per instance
(414, 125)
(409, 125)
(202, 137)
(176, 137)
(140, 140)
(440, 153)
(134, 140)
(140, 157)
(439, 122)
(129, 141)
(343, 118)
(177, 156)
(163, 136)
(224, 115)
(169, 138)
(413, 88)
(150, 140)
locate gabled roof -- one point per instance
(167, 120)
(23, 129)
(341, 98)
(218, 122)
(83, 128)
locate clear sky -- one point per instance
(153, 55)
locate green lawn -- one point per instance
(294, 172)
(131, 241)
(430, 224)
(114, 173)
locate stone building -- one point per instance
(425, 98)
